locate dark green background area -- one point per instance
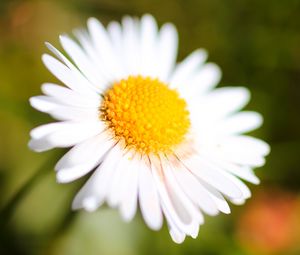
(257, 45)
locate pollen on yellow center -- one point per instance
(148, 115)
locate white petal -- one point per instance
(74, 113)
(240, 123)
(177, 236)
(129, 189)
(167, 48)
(148, 198)
(175, 212)
(43, 103)
(149, 46)
(115, 192)
(40, 145)
(187, 68)
(243, 188)
(81, 59)
(46, 129)
(241, 158)
(246, 144)
(204, 80)
(90, 204)
(218, 198)
(222, 102)
(63, 134)
(179, 198)
(102, 44)
(210, 174)
(115, 33)
(244, 159)
(243, 150)
(91, 150)
(69, 97)
(62, 111)
(68, 73)
(103, 77)
(243, 172)
(82, 152)
(97, 185)
(38, 142)
(73, 173)
(194, 189)
(131, 45)
(238, 201)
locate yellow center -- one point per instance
(147, 114)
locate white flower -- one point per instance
(152, 131)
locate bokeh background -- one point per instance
(257, 45)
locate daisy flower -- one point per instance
(153, 133)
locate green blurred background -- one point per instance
(257, 45)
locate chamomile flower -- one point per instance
(150, 132)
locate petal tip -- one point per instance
(90, 204)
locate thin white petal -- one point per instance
(179, 197)
(46, 129)
(244, 159)
(63, 134)
(115, 33)
(115, 192)
(240, 123)
(204, 80)
(43, 103)
(176, 212)
(97, 185)
(194, 189)
(222, 102)
(74, 113)
(40, 145)
(243, 172)
(91, 150)
(129, 189)
(131, 45)
(148, 46)
(148, 198)
(61, 111)
(102, 44)
(176, 235)
(210, 174)
(218, 198)
(238, 201)
(103, 77)
(186, 68)
(70, 97)
(68, 73)
(167, 48)
(246, 144)
(90, 204)
(243, 188)
(74, 173)
(80, 58)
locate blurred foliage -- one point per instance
(256, 43)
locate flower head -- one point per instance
(151, 130)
